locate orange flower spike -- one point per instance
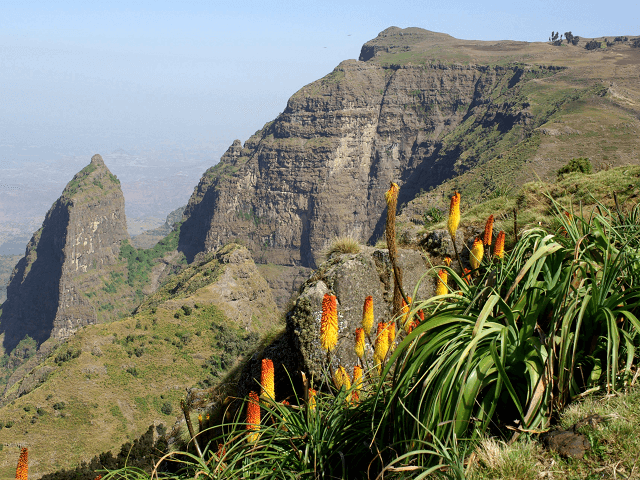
(441, 287)
(466, 276)
(312, 399)
(391, 329)
(382, 346)
(267, 380)
(477, 252)
(421, 315)
(253, 417)
(22, 471)
(329, 324)
(367, 314)
(454, 214)
(498, 250)
(359, 348)
(447, 261)
(488, 232)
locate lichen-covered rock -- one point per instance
(351, 277)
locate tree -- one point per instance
(568, 36)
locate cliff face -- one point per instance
(320, 169)
(78, 243)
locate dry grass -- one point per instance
(342, 245)
(615, 444)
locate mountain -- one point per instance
(67, 260)
(427, 111)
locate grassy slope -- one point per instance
(590, 108)
(110, 393)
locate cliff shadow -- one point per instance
(430, 172)
(33, 294)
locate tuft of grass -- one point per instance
(343, 245)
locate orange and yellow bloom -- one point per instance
(253, 417)
(488, 232)
(367, 314)
(22, 471)
(267, 380)
(382, 345)
(498, 250)
(454, 214)
(441, 287)
(477, 252)
(312, 399)
(329, 323)
(359, 348)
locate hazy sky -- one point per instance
(85, 77)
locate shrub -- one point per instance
(343, 245)
(59, 405)
(580, 165)
(166, 408)
(186, 309)
(433, 215)
(69, 354)
(593, 45)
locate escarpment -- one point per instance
(320, 169)
(52, 289)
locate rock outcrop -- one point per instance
(77, 245)
(351, 277)
(320, 170)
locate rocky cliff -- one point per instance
(77, 246)
(420, 108)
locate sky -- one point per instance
(81, 77)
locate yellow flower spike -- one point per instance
(253, 417)
(341, 378)
(312, 399)
(359, 348)
(200, 421)
(391, 195)
(22, 471)
(477, 252)
(367, 314)
(498, 250)
(447, 261)
(382, 346)
(329, 324)
(441, 287)
(454, 214)
(357, 377)
(405, 312)
(267, 380)
(488, 232)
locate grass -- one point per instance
(342, 245)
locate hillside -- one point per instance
(107, 383)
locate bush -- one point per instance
(59, 405)
(433, 215)
(580, 165)
(166, 408)
(69, 354)
(593, 45)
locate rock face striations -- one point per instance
(319, 171)
(75, 248)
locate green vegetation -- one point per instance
(494, 361)
(580, 165)
(140, 261)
